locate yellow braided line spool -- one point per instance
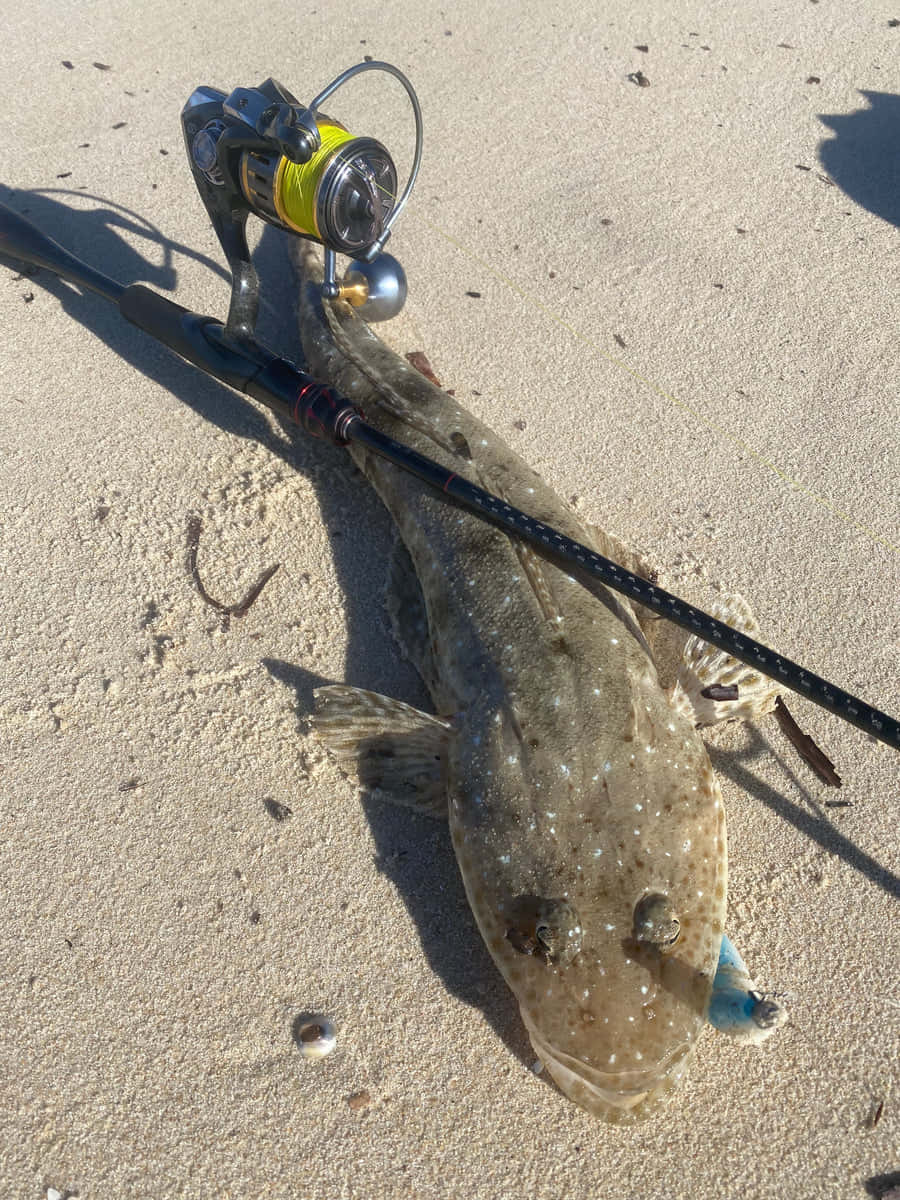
(297, 184)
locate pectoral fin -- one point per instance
(397, 752)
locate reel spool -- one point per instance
(259, 150)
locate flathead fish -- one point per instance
(585, 816)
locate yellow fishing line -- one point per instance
(297, 184)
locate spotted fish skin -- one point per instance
(575, 791)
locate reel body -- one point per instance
(258, 150)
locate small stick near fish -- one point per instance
(812, 754)
(874, 1115)
(419, 360)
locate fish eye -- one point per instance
(656, 925)
(547, 929)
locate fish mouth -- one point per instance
(618, 1097)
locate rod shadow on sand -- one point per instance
(414, 851)
(810, 820)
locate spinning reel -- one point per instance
(258, 150)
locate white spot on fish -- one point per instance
(614, 641)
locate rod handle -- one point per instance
(191, 336)
(21, 240)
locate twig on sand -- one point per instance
(194, 529)
(817, 759)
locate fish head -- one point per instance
(616, 1024)
(604, 909)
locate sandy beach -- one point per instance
(655, 248)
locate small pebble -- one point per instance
(359, 1100)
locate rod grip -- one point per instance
(21, 240)
(190, 335)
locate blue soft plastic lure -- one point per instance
(736, 1006)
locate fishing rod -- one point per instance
(260, 151)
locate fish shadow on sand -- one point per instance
(863, 158)
(414, 851)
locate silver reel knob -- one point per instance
(377, 289)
